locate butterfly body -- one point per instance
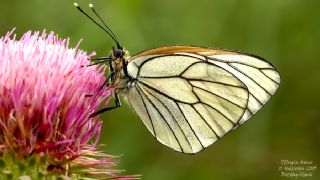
(118, 70)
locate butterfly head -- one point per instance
(117, 53)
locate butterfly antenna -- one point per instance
(105, 30)
(103, 22)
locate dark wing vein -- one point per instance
(194, 79)
(240, 71)
(180, 75)
(204, 120)
(219, 112)
(144, 104)
(170, 115)
(221, 83)
(165, 55)
(216, 122)
(183, 102)
(260, 70)
(156, 90)
(270, 77)
(249, 111)
(273, 69)
(189, 124)
(256, 98)
(153, 105)
(218, 96)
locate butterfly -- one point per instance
(188, 97)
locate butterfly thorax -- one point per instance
(119, 79)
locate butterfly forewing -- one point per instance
(189, 97)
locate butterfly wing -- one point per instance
(189, 97)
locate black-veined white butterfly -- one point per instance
(189, 97)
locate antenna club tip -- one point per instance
(91, 5)
(76, 4)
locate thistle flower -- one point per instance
(45, 128)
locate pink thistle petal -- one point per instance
(43, 104)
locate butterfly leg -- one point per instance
(105, 83)
(97, 62)
(100, 58)
(116, 96)
(104, 59)
(117, 104)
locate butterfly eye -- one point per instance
(118, 53)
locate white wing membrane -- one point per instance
(175, 87)
(260, 77)
(189, 100)
(164, 66)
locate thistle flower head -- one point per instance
(45, 107)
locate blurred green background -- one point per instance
(286, 32)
